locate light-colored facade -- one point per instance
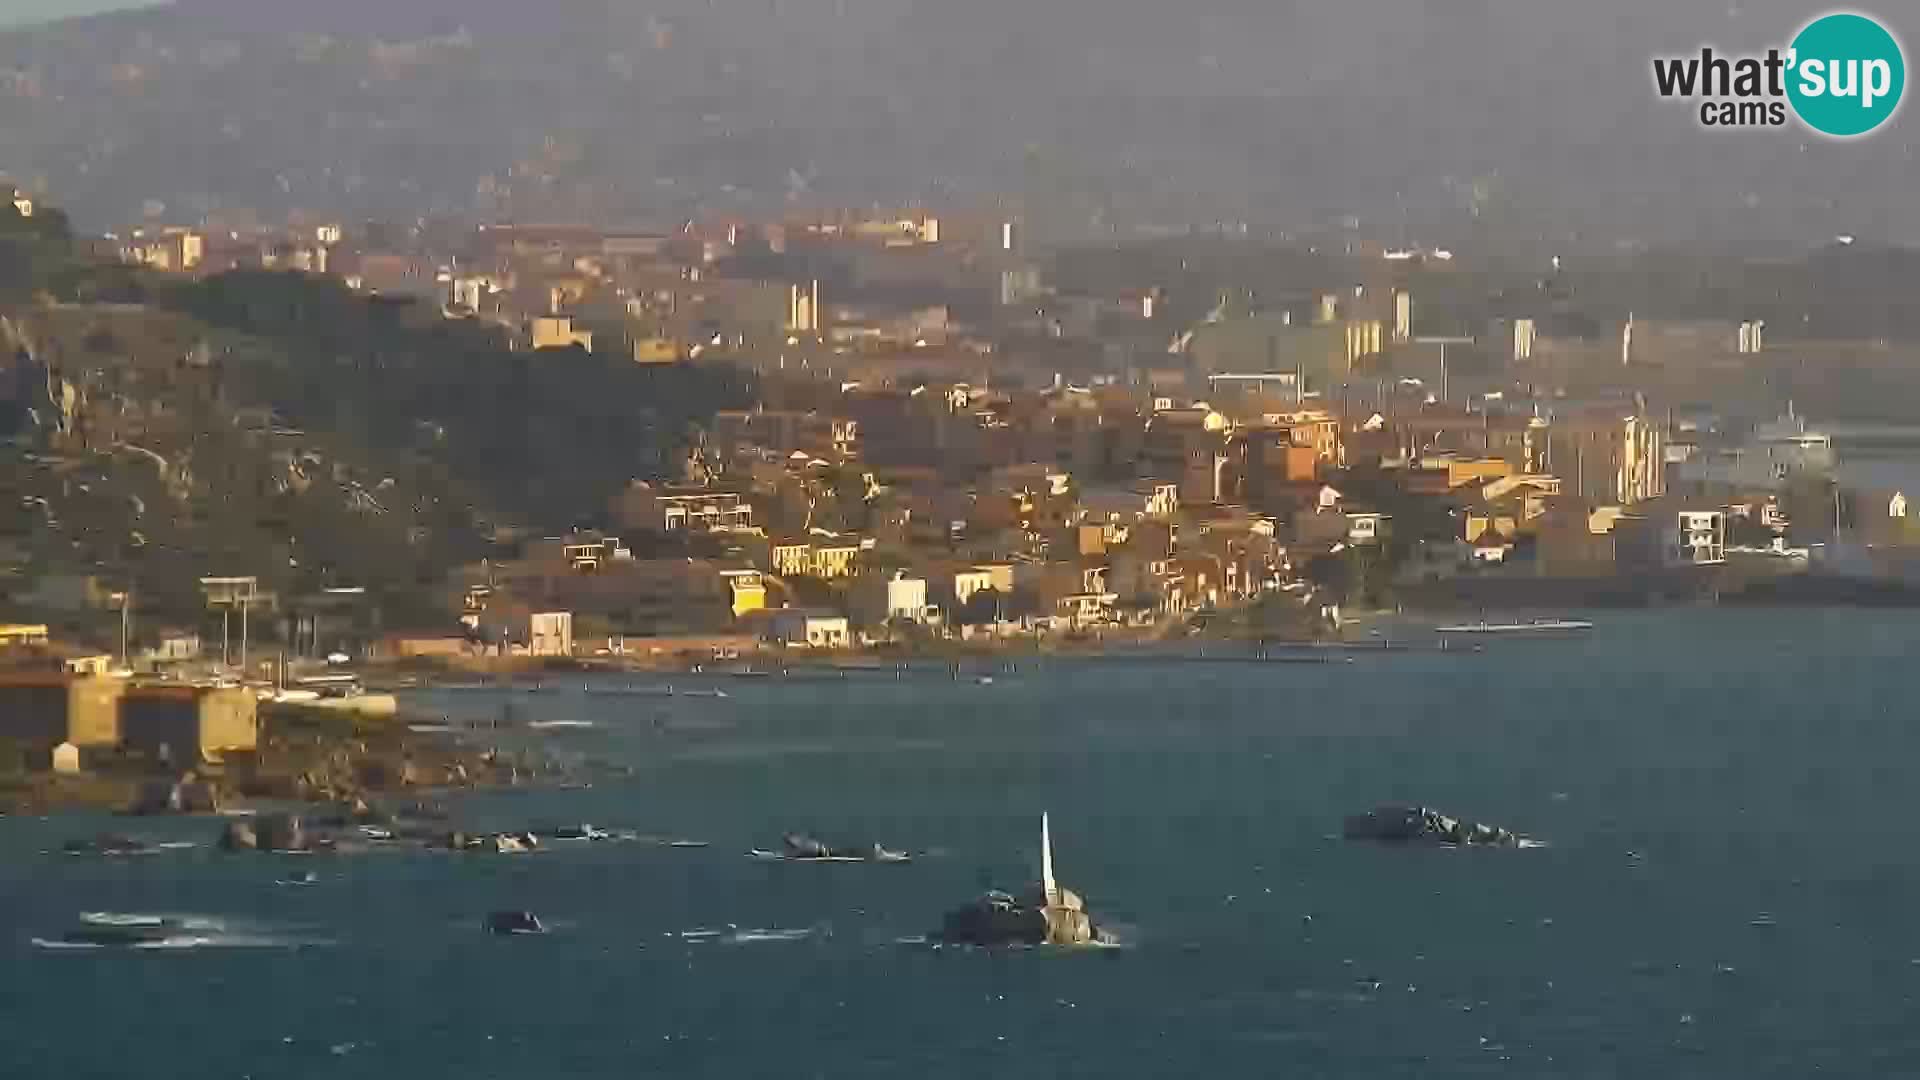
(1366, 527)
(550, 633)
(557, 332)
(907, 598)
(747, 589)
(968, 582)
(16, 634)
(670, 510)
(43, 709)
(830, 562)
(189, 724)
(1698, 538)
(799, 627)
(791, 560)
(1608, 457)
(175, 251)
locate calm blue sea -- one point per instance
(1697, 773)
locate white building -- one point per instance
(803, 308)
(1698, 538)
(907, 598)
(968, 582)
(1366, 527)
(550, 633)
(804, 628)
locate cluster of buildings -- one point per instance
(69, 720)
(957, 511)
(955, 438)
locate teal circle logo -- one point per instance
(1847, 75)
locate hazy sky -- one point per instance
(1536, 115)
(25, 11)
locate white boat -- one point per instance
(877, 854)
(1535, 626)
(627, 691)
(764, 855)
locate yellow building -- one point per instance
(189, 724)
(833, 561)
(791, 560)
(1363, 341)
(18, 634)
(968, 582)
(655, 350)
(44, 709)
(1461, 471)
(557, 332)
(173, 251)
(748, 590)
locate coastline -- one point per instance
(322, 758)
(307, 757)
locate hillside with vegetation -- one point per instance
(276, 424)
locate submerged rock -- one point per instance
(282, 832)
(184, 796)
(510, 923)
(999, 920)
(1422, 825)
(239, 836)
(801, 847)
(109, 844)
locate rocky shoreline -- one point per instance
(307, 757)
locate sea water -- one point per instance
(1729, 885)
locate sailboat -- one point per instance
(1049, 888)
(1048, 914)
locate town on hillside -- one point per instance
(244, 458)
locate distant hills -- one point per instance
(1480, 117)
(23, 12)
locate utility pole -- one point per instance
(126, 623)
(243, 634)
(1443, 342)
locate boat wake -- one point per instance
(734, 935)
(934, 944)
(96, 930)
(208, 923)
(116, 847)
(177, 942)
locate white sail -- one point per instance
(1047, 887)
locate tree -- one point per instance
(983, 608)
